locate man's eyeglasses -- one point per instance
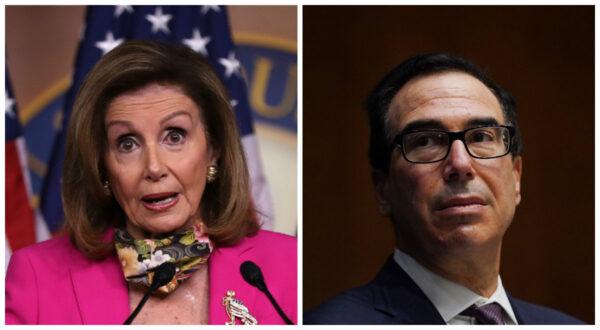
(428, 146)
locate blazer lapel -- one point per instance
(101, 291)
(521, 317)
(224, 275)
(396, 294)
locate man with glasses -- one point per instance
(445, 151)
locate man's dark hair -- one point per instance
(379, 100)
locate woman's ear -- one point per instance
(213, 155)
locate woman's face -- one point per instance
(157, 158)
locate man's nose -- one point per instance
(155, 165)
(458, 165)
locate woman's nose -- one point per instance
(155, 165)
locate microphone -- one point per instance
(252, 274)
(163, 274)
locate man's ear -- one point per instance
(517, 171)
(380, 183)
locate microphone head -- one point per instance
(163, 274)
(252, 274)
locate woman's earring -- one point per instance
(211, 175)
(106, 188)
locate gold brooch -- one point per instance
(236, 309)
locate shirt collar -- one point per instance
(449, 298)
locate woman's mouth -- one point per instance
(161, 201)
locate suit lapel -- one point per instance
(521, 317)
(224, 275)
(100, 288)
(397, 295)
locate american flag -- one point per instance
(23, 225)
(205, 29)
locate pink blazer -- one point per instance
(53, 283)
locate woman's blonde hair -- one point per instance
(226, 203)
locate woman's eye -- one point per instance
(175, 136)
(126, 144)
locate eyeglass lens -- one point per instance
(481, 142)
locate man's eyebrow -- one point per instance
(487, 121)
(423, 124)
(436, 124)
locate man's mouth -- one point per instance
(461, 201)
(460, 206)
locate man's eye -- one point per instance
(482, 136)
(175, 136)
(421, 140)
(126, 144)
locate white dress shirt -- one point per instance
(450, 298)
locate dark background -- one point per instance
(544, 55)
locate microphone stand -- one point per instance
(277, 307)
(163, 274)
(253, 275)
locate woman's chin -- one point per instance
(150, 224)
(155, 229)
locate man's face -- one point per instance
(460, 203)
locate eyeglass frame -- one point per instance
(452, 136)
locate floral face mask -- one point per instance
(188, 249)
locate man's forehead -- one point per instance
(443, 95)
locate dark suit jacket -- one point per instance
(394, 298)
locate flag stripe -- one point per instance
(20, 230)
